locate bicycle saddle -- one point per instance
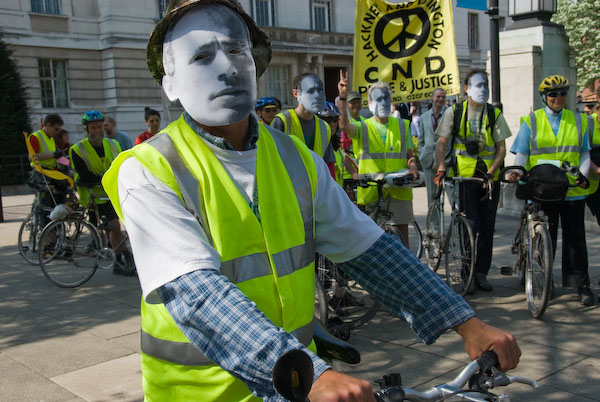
(331, 347)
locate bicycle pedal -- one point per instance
(506, 270)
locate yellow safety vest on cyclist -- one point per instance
(376, 157)
(545, 147)
(95, 164)
(292, 126)
(47, 144)
(467, 163)
(271, 260)
(340, 170)
(595, 144)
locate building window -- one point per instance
(53, 82)
(278, 83)
(162, 7)
(473, 31)
(46, 6)
(263, 12)
(321, 15)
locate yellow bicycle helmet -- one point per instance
(553, 82)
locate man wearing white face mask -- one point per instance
(477, 132)
(303, 121)
(225, 216)
(384, 145)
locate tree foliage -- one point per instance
(581, 19)
(14, 116)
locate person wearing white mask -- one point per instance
(477, 132)
(303, 121)
(384, 145)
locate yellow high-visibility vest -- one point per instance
(376, 157)
(47, 144)
(95, 164)
(271, 260)
(565, 146)
(292, 126)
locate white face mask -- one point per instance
(214, 74)
(380, 102)
(478, 89)
(311, 94)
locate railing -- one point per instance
(15, 169)
(284, 37)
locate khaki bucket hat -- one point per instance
(261, 46)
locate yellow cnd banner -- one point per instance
(410, 46)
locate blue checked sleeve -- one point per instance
(408, 288)
(228, 328)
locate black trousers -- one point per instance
(574, 249)
(481, 211)
(593, 203)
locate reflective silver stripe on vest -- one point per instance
(288, 121)
(187, 183)
(591, 129)
(187, 354)
(535, 150)
(113, 148)
(323, 132)
(465, 154)
(43, 140)
(365, 155)
(84, 155)
(246, 268)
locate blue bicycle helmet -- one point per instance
(265, 101)
(330, 110)
(91, 116)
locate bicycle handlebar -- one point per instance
(565, 167)
(292, 378)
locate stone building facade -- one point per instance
(77, 55)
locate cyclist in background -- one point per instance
(46, 152)
(91, 158)
(477, 132)
(345, 167)
(266, 109)
(384, 145)
(553, 135)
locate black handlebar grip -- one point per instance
(393, 394)
(488, 360)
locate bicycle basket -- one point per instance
(544, 183)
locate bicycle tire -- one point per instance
(521, 263)
(70, 258)
(27, 239)
(348, 304)
(320, 303)
(538, 276)
(460, 255)
(432, 240)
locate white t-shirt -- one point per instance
(167, 241)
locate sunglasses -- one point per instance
(554, 94)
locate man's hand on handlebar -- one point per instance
(334, 386)
(480, 337)
(513, 176)
(438, 178)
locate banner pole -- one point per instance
(493, 12)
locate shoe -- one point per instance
(482, 282)
(586, 297)
(125, 271)
(471, 289)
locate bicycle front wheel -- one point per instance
(70, 253)
(538, 276)
(460, 256)
(28, 238)
(348, 304)
(432, 239)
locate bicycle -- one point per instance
(45, 182)
(341, 303)
(293, 376)
(76, 247)
(457, 241)
(532, 243)
(381, 214)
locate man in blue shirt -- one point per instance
(562, 122)
(110, 129)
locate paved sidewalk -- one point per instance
(83, 344)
